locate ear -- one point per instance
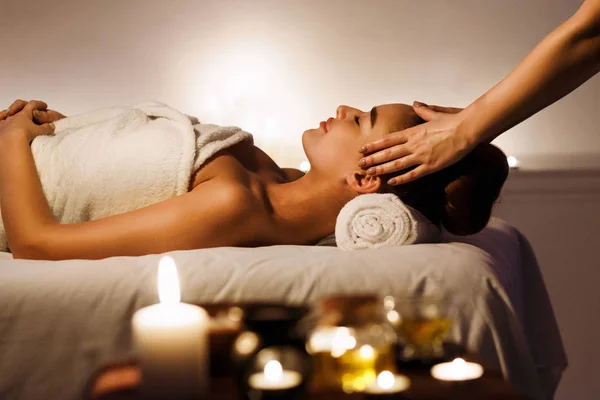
(362, 183)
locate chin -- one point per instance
(310, 139)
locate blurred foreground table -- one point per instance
(121, 382)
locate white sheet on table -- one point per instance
(59, 321)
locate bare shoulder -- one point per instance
(239, 211)
(228, 195)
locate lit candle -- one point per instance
(171, 341)
(274, 377)
(388, 383)
(457, 370)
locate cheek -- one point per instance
(336, 150)
(339, 151)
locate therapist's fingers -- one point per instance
(392, 154)
(393, 139)
(413, 174)
(399, 164)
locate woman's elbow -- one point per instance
(31, 249)
(27, 252)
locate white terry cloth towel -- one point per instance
(371, 221)
(115, 160)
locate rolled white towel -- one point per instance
(375, 220)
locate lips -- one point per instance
(323, 126)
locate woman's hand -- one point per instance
(428, 147)
(39, 116)
(31, 119)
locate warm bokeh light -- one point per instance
(304, 166)
(366, 352)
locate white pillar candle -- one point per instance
(457, 370)
(274, 377)
(388, 383)
(171, 340)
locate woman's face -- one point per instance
(333, 148)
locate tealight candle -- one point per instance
(274, 377)
(457, 370)
(171, 341)
(388, 383)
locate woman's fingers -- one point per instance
(34, 105)
(18, 105)
(44, 117)
(40, 130)
(15, 107)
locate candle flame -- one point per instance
(385, 380)
(168, 281)
(273, 371)
(459, 362)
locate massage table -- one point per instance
(60, 321)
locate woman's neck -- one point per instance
(306, 209)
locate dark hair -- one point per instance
(461, 197)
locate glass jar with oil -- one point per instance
(352, 343)
(422, 324)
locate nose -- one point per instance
(341, 112)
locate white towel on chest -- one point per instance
(371, 221)
(119, 159)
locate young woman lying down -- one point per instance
(239, 197)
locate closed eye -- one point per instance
(357, 120)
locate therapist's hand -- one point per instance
(426, 148)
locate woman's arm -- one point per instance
(208, 216)
(565, 59)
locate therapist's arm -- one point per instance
(565, 59)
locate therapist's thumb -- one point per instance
(429, 113)
(424, 111)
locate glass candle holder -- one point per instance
(351, 344)
(422, 324)
(224, 327)
(270, 357)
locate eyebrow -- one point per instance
(373, 116)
